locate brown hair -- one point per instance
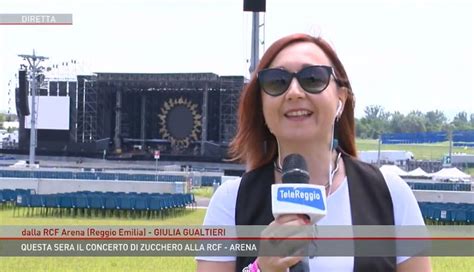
(253, 143)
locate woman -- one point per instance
(300, 100)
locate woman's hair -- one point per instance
(253, 144)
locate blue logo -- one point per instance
(311, 197)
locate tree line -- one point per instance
(377, 121)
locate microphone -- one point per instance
(296, 196)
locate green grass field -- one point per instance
(130, 264)
(421, 151)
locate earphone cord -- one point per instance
(277, 163)
(334, 171)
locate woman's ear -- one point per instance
(342, 95)
(339, 108)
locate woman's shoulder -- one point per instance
(397, 186)
(226, 192)
(405, 205)
(221, 209)
(395, 183)
(231, 186)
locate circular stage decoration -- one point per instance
(180, 122)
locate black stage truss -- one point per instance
(189, 114)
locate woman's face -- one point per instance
(297, 115)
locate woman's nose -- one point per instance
(295, 90)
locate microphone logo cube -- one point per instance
(308, 199)
(311, 197)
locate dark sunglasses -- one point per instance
(313, 79)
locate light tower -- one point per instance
(34, 62)
(255, 6)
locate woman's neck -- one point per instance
(317, 158)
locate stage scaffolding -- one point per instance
(120, 112)
(135, 114)
(86, 110)
(231, 87)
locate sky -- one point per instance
(403, 55)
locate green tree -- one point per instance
(414, 122)
(460, 121)
(376, 121)
(374, 112)
(361, 129)
(396, 122)
(435, 120)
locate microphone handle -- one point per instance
(302, 266)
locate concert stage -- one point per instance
(129, 116)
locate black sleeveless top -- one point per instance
(371, 204)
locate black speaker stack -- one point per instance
(21, 95)
(255, 5)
